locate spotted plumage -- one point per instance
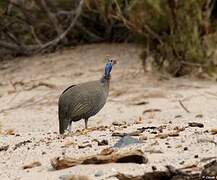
(83, 100)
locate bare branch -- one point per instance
(91, 34)
(10, 46)
(50, 15)
(29, 49)
(182, 105)
(73, 22)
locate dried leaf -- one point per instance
(213, 131)
(84, 146)
(179, 129)
(115, 123)
(173, 134)
(9, 132)
(151, 110)
(196, 124)
(4, 148)
(143, 138)
(178, 116)
(139, 103)
(162, 136)
(199, 116)
(134, 133)
(107, 151)
(139, 121)
(32, 165)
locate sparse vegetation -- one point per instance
(179, 35)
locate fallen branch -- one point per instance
(170, 173)
(51, 16)
(73, 22)
(133, 156)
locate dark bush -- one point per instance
(179, 35)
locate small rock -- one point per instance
(179, 129)
(104, 142)
(126, 141)
(9, 132)
(179, 146)
(32, 165)
(154, 132)
(154, 168)
(140, 103)
(98, 173)
(185, 148)
(195, 124)
(173, 134)
(84, 146)
(182, 162)
(199, 116)
(162, 136)
(196, 156)
(4, 148)
(115, 123)
(178, 116)
(107, 151)
(213, 131)
(143, 138)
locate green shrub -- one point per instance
(175, 33)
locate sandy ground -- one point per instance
(29, 91)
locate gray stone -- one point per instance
(126, 141)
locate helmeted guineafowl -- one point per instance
(83, 100)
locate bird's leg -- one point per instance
(70, 127)
(85, 120)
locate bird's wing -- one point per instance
(68, 88)
(81, 108)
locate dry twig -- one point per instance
(182, 105)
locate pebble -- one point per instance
(126, 141)
(98, 173)
(185, 148)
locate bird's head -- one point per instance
(108, 67)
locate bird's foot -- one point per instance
(86, 130)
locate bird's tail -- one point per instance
(63, 124)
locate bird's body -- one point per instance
(82, 101)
